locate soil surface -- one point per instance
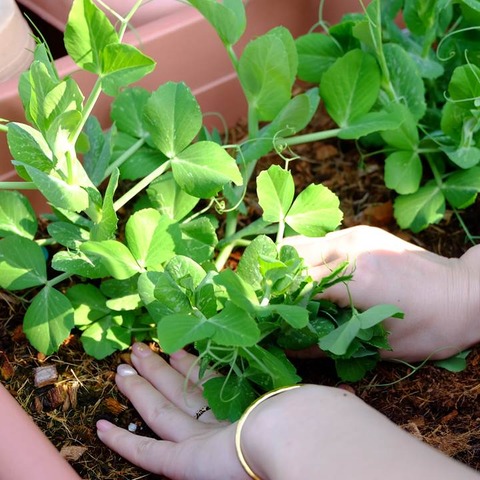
(436, 406)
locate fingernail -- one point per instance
(104, 426)
(141, 350)
(178, 354)
(125, 370)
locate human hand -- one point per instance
(287, 436)
(191, 448)
(439, 296)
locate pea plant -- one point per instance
(431, 69)
(157, 271)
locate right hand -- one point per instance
(439, 296)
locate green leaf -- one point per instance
(48, 320)
(22, 263)
(147, 282)
(295, 116)
(272, 363)
(316, 53)
(97, 158)
(171, 296)
(59, 137)
(420, 15)
(113, 288)
(122, 65)
(350, 87)
(115, 256)
(372, 122)
(405, 79)
(239, 291)
(405, 137)
(198, 240)
(169, 199)
(142, 160)
(248, 268)
(227, 18)
(106, 226)
(178, 330)
(87, 32)
(127, 111)
(462, 187)
(455, 364)
(172, 117)
(185, 271)
(295, 316)
(315, 212)
(403, 171)
(234, 327)
(28, 147)
(265, 72)
(463, 157)
(16, 215)
(63, 97)
(33, 87)
(338, 341)
(204, 168)
(275, 189)
(420, 209)
(58, 192)
(77, 263)
(453, 120)
(376, 314)
(148, 238)
(354, 369)
(464, 87)
(228, 397)
(88, 302)
(125, 303)
(104, 337)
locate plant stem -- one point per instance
(144, 183)
(470, 237)
(252, 122)
(58, 279)
(311, 137)
(3, 128)
(17, 186)
(230, 228)
(87, 109)
(97, 88)
(124, 157)
(280, 232)
(233, 56)
(436, 173)
(43, 242)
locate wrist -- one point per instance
(247, 451)
(468, 296)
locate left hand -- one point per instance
(190, 449)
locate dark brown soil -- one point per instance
(437, 406)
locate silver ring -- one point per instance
(201, 411)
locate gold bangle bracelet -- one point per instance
(241, 423)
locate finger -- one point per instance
(169, 382)
(152, 455)
(162, 416)
(211, 455)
